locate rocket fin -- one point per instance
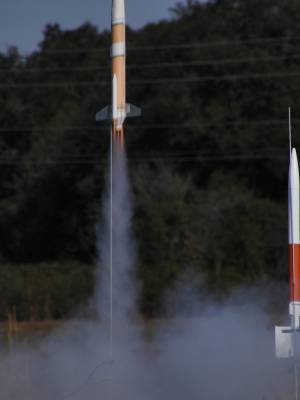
(104, 114)
(284, 342)
(132, 111)
(107, 112)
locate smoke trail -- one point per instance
(224, 352)
(117, 213)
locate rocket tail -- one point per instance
(133, 111)
(106, 114)
(118, 138)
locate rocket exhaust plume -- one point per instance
(117, 251)
(117, 246)
(225, 352)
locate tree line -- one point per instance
(208, 160)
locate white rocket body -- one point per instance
(119, 109)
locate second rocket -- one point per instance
(285, 336)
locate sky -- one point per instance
(22, 21)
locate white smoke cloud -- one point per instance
(223, 352)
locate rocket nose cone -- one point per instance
(118, 12)
(294, 170)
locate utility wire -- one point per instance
(179, 126)
(159, 155)
(233, 77)
(159, 65)
(211, 158)
(224, 43)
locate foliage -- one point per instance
(44, 291)
(208, 160)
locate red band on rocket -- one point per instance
(294, 242)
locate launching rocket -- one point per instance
(119, 110)
(286, 337)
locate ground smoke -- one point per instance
(226, 353)
(124, 254)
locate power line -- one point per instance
(171, 126)
(147, 81)
(25, 70)
(206, 152)
(233, 77)
(223, 43)
(42, 129)
(194, 63)
(177, 159)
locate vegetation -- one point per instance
(208, 160)
(44, 291)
